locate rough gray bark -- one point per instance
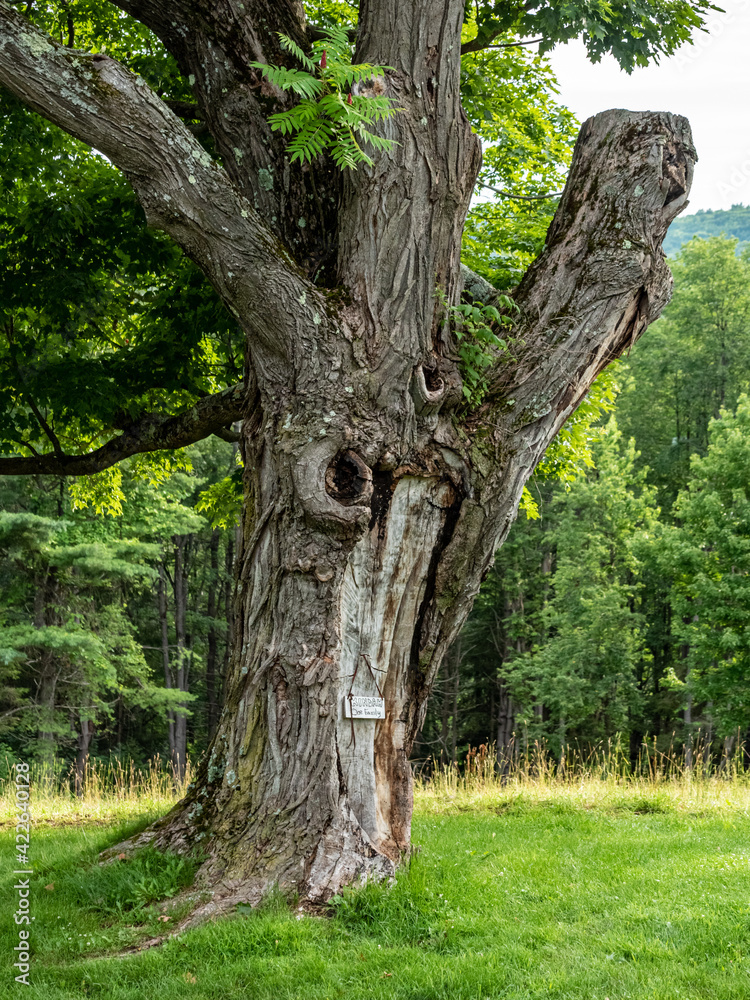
(375, 500)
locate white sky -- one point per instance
(708, 82)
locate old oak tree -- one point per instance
(386, 435)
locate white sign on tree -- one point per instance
(358, 706)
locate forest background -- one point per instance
(616, 611)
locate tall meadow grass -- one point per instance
(603, 776)
(111, 789)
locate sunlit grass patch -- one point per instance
(110, 791)
(600, 779)
(528, 887)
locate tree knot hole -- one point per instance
(429, 387)
(349, 479)
(432, 380)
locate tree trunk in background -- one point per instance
(48, 670)
(687, 715)
(449, 703)
(212, 654)
(708, 738)
(445, 714)
(456, 680)
(506, 726)
(161, 602)
(88, 728)
(726, 757)
(506, 710)
(182, 673)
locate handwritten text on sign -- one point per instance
(363, 707)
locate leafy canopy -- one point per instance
(102, 320)
(709, 557)
(694, 362)
(635, 32)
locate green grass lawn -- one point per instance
(510, 895)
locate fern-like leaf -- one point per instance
(328, 118)
(310, 141)
(296, 80)
(289, 45)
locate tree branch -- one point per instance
(53, 439)
(214, 45)
(57, 447)
(479, 45)
(477, 288)
(210, 415)
(186, 109)
(182, 191)
(602, 277)
(600, 280)
(520, 197)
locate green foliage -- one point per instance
(128, 886)
(569, 455)
(332, 116)
(606, 614)
(102, 492)
(222, 501)
(478, 344)
(709, 555)
(635, 32)
(101, 320)
(79, 652)
(99, 26)
(692, 362)
(528, 137)
(590, 651)
(22, 535)
(156, 467)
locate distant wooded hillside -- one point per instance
(729, 222)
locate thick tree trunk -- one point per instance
(293, 792)
(371, 519)
(375, 499)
